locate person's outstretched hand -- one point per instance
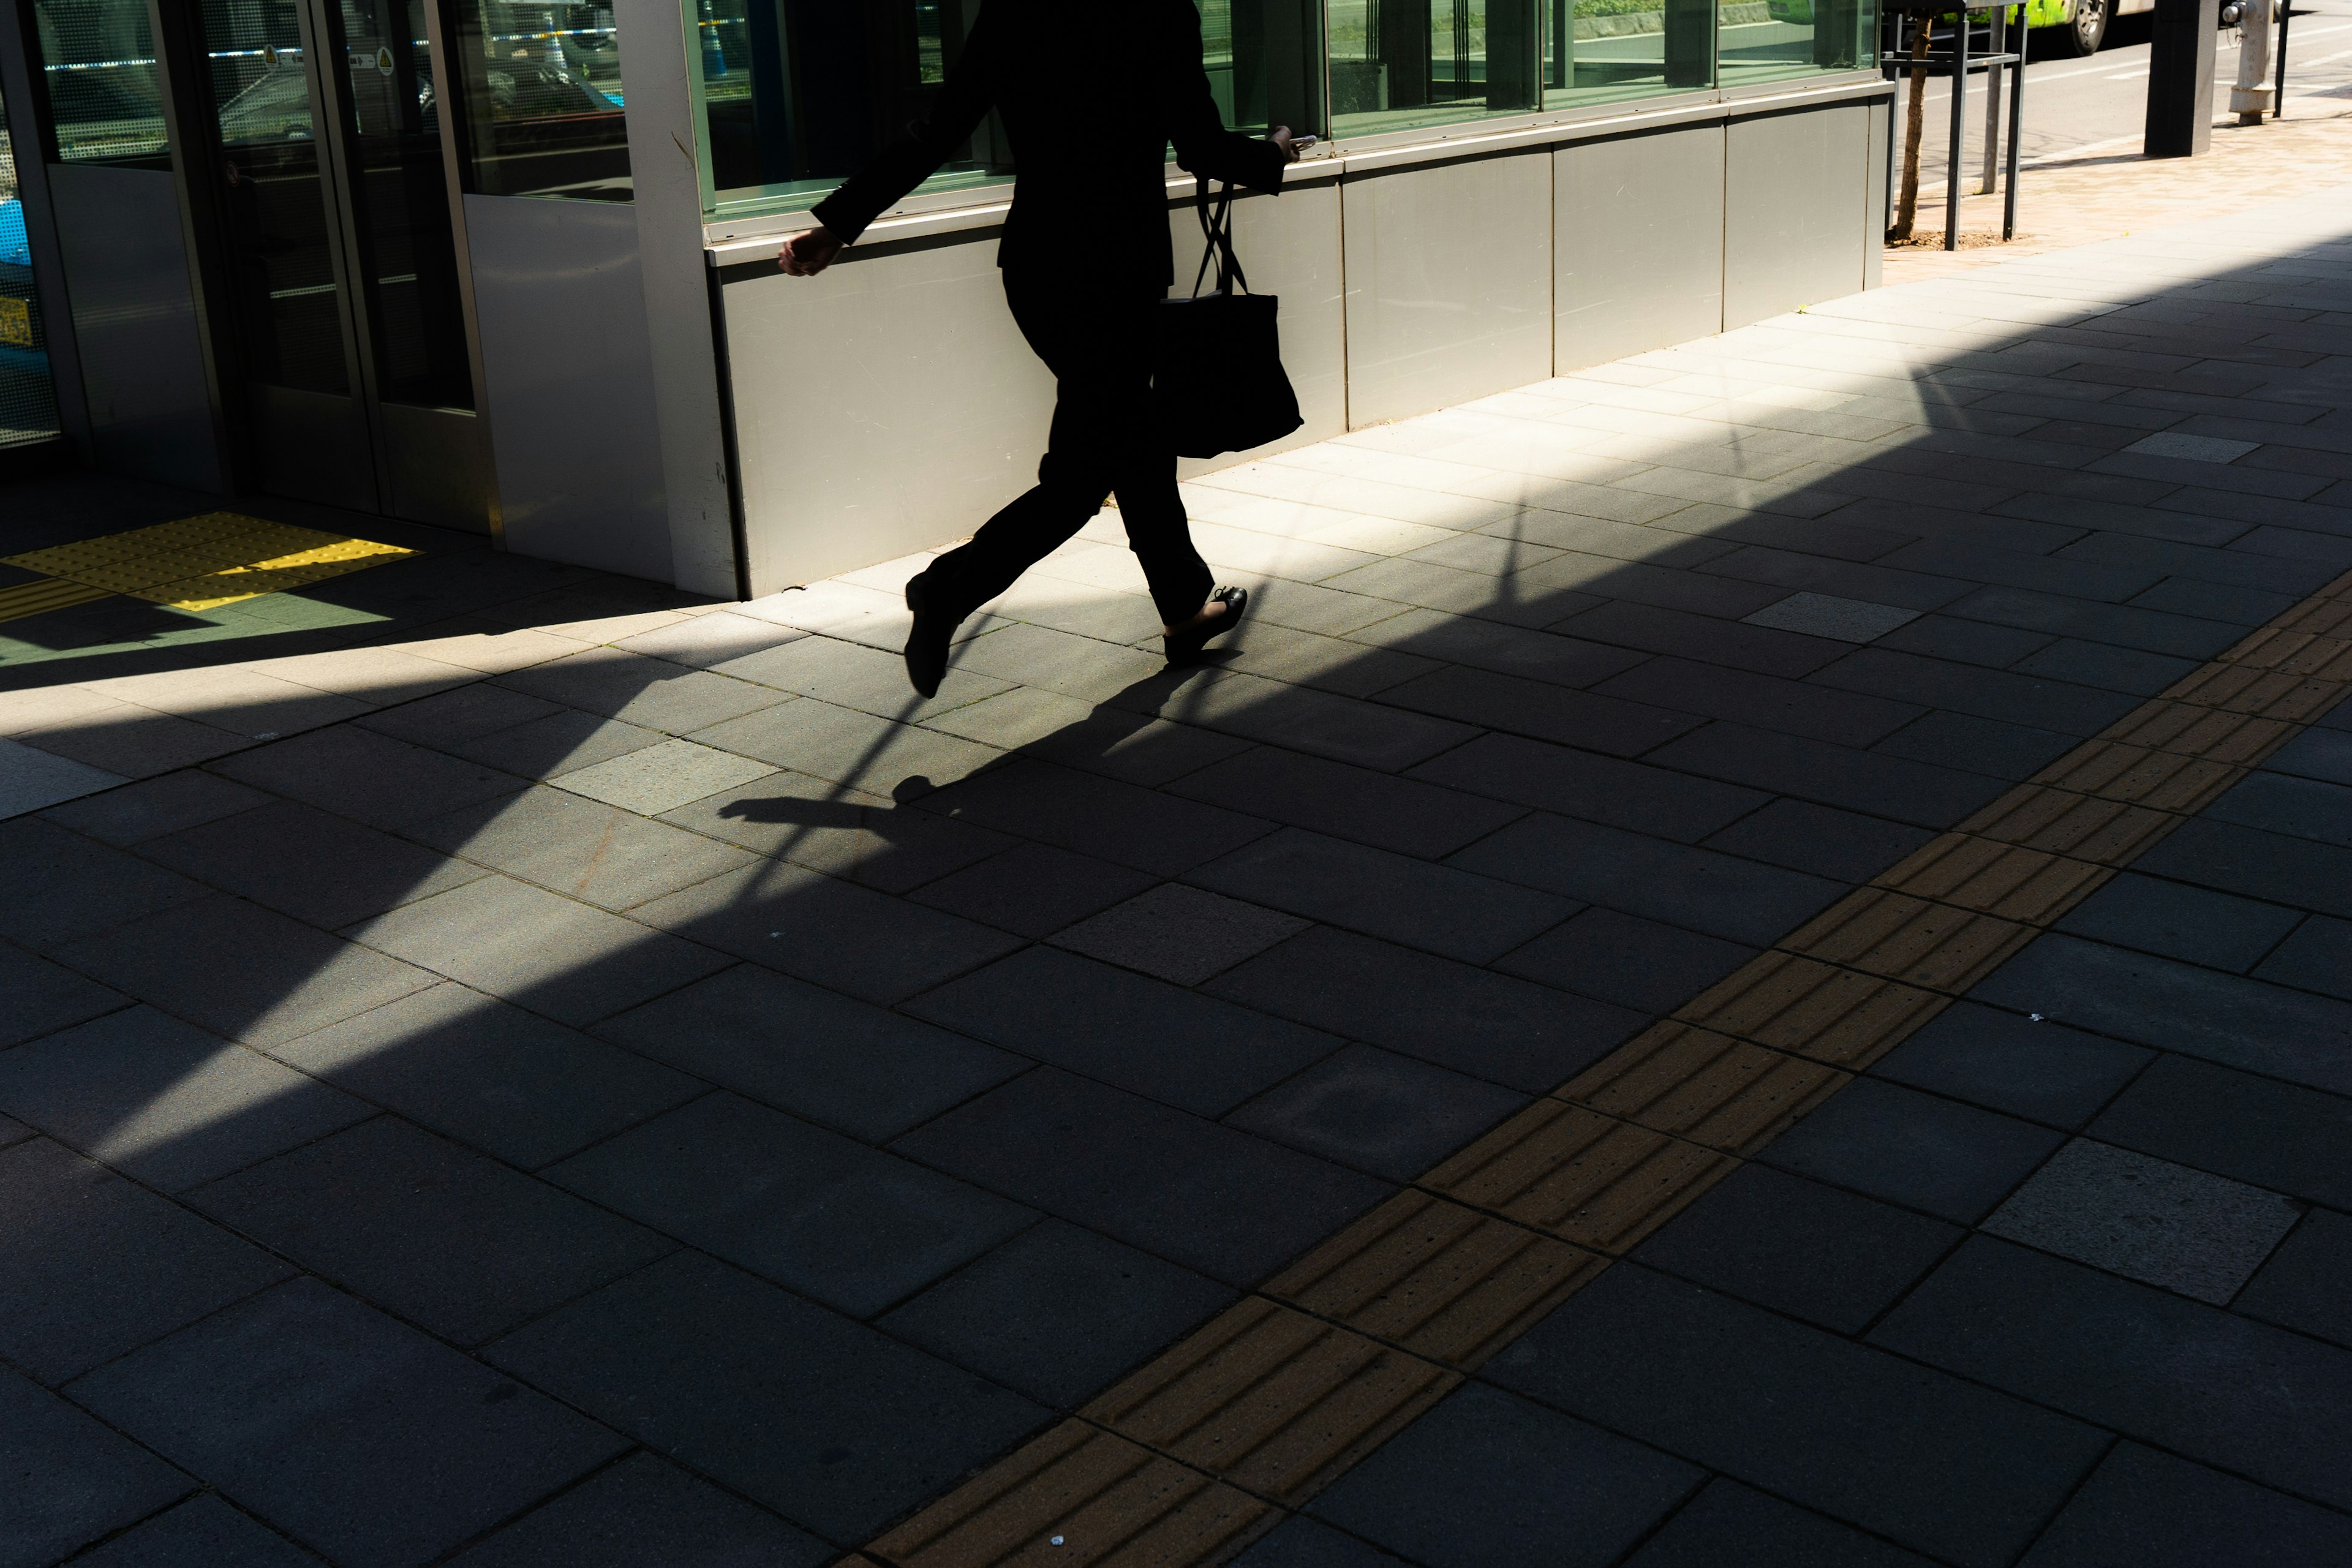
(1280, 137)
(806, 255)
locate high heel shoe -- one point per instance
(1184, 645)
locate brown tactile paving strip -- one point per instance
(1207, 1447)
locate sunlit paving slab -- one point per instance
(1742, 959)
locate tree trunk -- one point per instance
(1906, 201)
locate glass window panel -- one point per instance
(540, 87)
(1768, 40)
(98, 69)
(1600, 51)
(28, 409)
(1401, 64)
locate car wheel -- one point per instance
(2087, 29)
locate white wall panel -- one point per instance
(1638, 227)
(1795, 213)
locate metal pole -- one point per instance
(2016, 124)
(2278, 88)
(1991, 181)
(1959, 129)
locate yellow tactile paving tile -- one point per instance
(1589, 1179)
(1813, 1009)
(1710, 1088)
(1938, 947)
(48, 594)
(2104, 832)
(2010, 880)
(201, 562)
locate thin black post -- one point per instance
(2278, 88)
(2016, 124)
(2181, 79)
(1959, 129)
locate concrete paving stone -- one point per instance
(2283, 803)
(2193, 924)
(1676, 883)
(1541, 711)
(154, 808)
(1514, 601)
(2234, 603)
(2205, 1383)
(2042, 703)
(1437, 907)
(1827, 775)
(43, 998)
(819, 927)
(355, 1435)
(644, 1510)
(2021, 523)
(2201, 562)
(164, 1101)
(1574, 582)
(1102, 817)
(1132, 747)
(96, 1265)
(1590, 787)
(1489, 1480)
(1496, 554)
(1181, 1049)
(1820, 839)
(2105, 665)
(565, 959)
(2009, 567)
(1846, 600)
(2147, 1220)
(2256, 1130)
(325, 869)
(488, 1074)
(843, 1224)
(2306, 1284)
(845, 1064)
(56, 886)
(1301, 1542)
(2315, 754)
(1344, 729)
(2124, 625)
(649, 692)
(2041, 1072)
(202, 1533)
(840, 831)
(702, 641)
(137, 743)
(580, 848)
(565, 742)
(663, 777)
(1830, 536)
(1178, 933)
(1729, 1523)
(2318, 957)
(1376, 1111)
(368, 777)
(1328, 664)
(71, 1480)
(1830, 616)
(450, 719)
(2154, 1000)
(1403, 815)
(1058, 1313)
(2142, 1508)
(1034, 890)
(1988, 746)
(1622, 958)
(1964, 641)
(1952, 1160)
(1796, 1246)
(843, 744)
(32, 779)
(1761, 650)
(1215, 1200)
(1506, 649)
(1950, 1468)
(1790, 707)
(2324, 513)
(1508, 1031)
(832, 1425)
(849, 676)
(451, 1241)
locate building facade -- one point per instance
(508, 265)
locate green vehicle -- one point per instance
(2085, 21)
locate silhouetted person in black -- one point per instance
(1085, 257)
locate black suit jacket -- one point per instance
(1091, 95)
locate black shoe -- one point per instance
(1184, 647)
(927, 641)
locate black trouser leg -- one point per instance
(1104, 440)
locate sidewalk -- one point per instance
(1744, 962)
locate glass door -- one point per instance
(340, 254)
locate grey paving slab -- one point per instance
(1953, 1161)
(2318, 957)
(56, 886)
(2306, 1284)
(2142, 1508)
(553, 954)
(2156, 1002)
(355, 1435)
(1964, 641)
(454, 1242)
(1085, 668)
(649, 691)
(1820, 839)
(879, 755)
(1178, 933)
(856, 1229)
(2205, 1383)
(133, 742)
(702, 641)
(2147, 1220)
(368, 777)
(1371, 734)
(202, 1533)
(1960, 741)
(1217, 1201)
(2003, 1061)
(580, 848)
(2174, 920)
(1506, 649)
(43, 998)
(1381, 809)
(1489, 1480)
(154, 807)
(2239, 603)
(2256, 1129)
(1438, 909)
(96, 1265)
(645, 1511)
(2317, 753)
(1763, 649)
(835, 1425)
(1303, 1542)
(1058, 1313)
(1525, 1037)
(1826, 1256)
(662, 777)
(1132, 747)
(489, 1074)
(1538, 711)
(1183, 1049)
(449, 718)
(1769, 702)
(824, 929)
(1102, 817)
(842, 1063)
(1727, 1522)
(164, 1100)
(1697, 889)
(849, 676)
(1948, 1467)
(565, 741)
(2036, 701)
(1625, 959)
(2282, 803)
(1034, 890)
(842, 832)
(71, 1480)
(300, 861)
(1592, 788)
(1377, 1111)
(1830, 616)
(1826, 775)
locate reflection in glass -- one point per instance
(1603, 50)
(541, 91)
(1766, 40)
(1397, 64)
(280, 259)
(98, 69)
(28, 409)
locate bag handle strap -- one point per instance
(1216, 231)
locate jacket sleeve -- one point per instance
(1203, 145)
(967, 96)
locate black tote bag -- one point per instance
(1217, 375)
